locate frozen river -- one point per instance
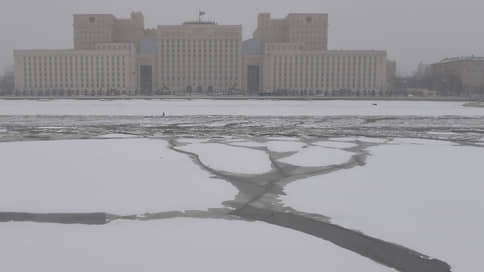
(267, 185)
(185, 107)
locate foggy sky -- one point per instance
(411, 31)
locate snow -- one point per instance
(275, 146)
(171, 245)
(117, 135)
(373, 140)
(284, 146)
(425, 196)
(318, 156)
(335, 144)
(248, 144)
(121, 176)
(231, 159)
(176, 107)
(441, 133)
(414, 141)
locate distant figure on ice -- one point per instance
(163, 114)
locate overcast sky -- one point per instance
(411, 31)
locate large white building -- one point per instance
(120, 56)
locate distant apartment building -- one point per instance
(199, 57)
(113, 55)
(458, 75)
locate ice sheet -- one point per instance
(233, 107)
(425, 196)
(117, 176)
(335, 144)
(172, 245)
(315, 156)
(231, 159)
(284, 146)
(117, 135)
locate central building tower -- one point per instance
(201, 57)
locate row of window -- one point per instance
(199, 43)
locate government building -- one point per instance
(113, 56)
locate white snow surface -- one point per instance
(121, 176)
(426, 196)
(171, 245)
(284, 146)
(247, 144)
(227, 158)
(178, 107)
(335, 144)
(316, 156)
(117, 136)
(373, 140)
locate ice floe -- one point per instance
(227, 158)
(316, 156)
(171, 245)
(427, 197)
(121, 176)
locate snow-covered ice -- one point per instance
(284, 146)
(231, 159)
(316, 156)
(425, 196)
(171, 245)
(117, 136)
(336, 144)
(120, 176)
(233, 107)
(248, 144)
(374, 140)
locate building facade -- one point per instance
(290, 68)
(291, 56)
(201, 57)
(112, 55)
(109, 67)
